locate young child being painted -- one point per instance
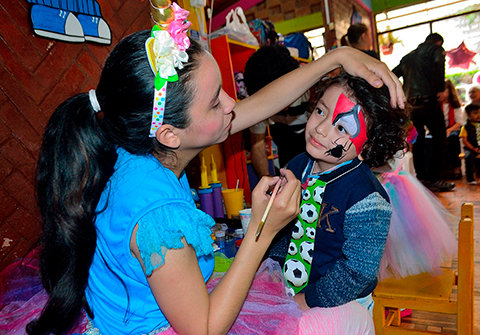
(331, 253)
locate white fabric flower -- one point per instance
(167, 55)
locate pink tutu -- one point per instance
(22, 296)
(420, 238)
(267, 309)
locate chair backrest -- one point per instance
(465, 281)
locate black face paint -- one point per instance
(337, 151)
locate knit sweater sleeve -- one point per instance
(365, 228)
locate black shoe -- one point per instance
(440, 186)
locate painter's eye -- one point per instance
(319, 111)
(217, 105)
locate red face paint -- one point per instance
(349, 116)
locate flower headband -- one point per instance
(166, 53)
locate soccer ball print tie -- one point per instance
(296, 269)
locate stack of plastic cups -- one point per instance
(217, 192)
(205, 192)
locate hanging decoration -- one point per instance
(460, 56)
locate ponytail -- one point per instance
(76, 160)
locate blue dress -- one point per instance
(141, 191)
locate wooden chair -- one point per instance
(433, 294)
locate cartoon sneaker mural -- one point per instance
(70, 21)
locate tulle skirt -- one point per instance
(420, 238)
(267, 310)
(22, 296)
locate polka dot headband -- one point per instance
(166, 52)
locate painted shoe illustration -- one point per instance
(95, 29)
(57, 24)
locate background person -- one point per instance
(423, 72)
(359, 37)
(453, 114)
(287, 127)
(470, 134)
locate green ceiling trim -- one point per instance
(382, 5)
(303, 23)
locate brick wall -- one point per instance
(278, 10)
(36, 75)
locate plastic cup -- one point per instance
(245, 216)
(233, 200)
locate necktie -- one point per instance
(296, 269)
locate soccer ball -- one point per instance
(310, 231)
(289, 291)
(295, 273)
(306, 251)
(318, 194)
(292, 248)
(306, 195)
(308, 213)
(312, 181)
(298, 231)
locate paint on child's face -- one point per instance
(336, 131)
(349, 116)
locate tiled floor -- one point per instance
(452, 201)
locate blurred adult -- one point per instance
(287, 127)
(474, 94)
(359, 37)
(454, 119)
(423, 72)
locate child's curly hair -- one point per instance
(386, 126)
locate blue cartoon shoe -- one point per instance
(95, 29)
(57, 24)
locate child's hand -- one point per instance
(285, 206)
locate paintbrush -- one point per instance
(269, 206)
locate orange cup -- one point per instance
(233, 200)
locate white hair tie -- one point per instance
(93, 101)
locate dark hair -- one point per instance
(77, 158)
(267, 64)
(471, 108)
(452, 94)
(344, 41)
(434, 38)
(355, 31)
(386, 133)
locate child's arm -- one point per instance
(463, 135)
(365, 229)
(282, 92)
(179, 287)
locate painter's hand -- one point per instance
(285, 206)
(358, 63)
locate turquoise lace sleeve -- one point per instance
(162, 229)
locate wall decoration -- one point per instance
(356, 17)
(70, 21)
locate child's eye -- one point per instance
(319, 111)
(342, 129)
